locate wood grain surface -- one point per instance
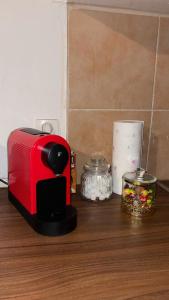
(108, 256)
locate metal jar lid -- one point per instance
(140, 176)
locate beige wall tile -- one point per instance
(92, 131)
(162, 77)
(111, 59)
(159, 150)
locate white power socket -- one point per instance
(48, 125)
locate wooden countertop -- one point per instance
(108, 256)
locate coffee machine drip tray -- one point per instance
(52, 225)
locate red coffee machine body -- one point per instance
(39, 180)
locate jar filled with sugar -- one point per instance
(96, 180)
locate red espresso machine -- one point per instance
(39, 180)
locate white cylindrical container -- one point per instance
(127, 150)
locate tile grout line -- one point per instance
(153, 95)
(116, 10)
(107, 109)
(116, 109)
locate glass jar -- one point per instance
(96, 181)
(139, 192)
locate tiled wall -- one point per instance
(118, 69)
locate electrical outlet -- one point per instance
(48, 125)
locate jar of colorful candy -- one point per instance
(139, 192)
(96, 180)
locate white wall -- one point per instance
(33, 53)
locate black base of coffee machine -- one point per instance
(52, 227)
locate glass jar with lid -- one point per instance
(139, 192)
(96, 180)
